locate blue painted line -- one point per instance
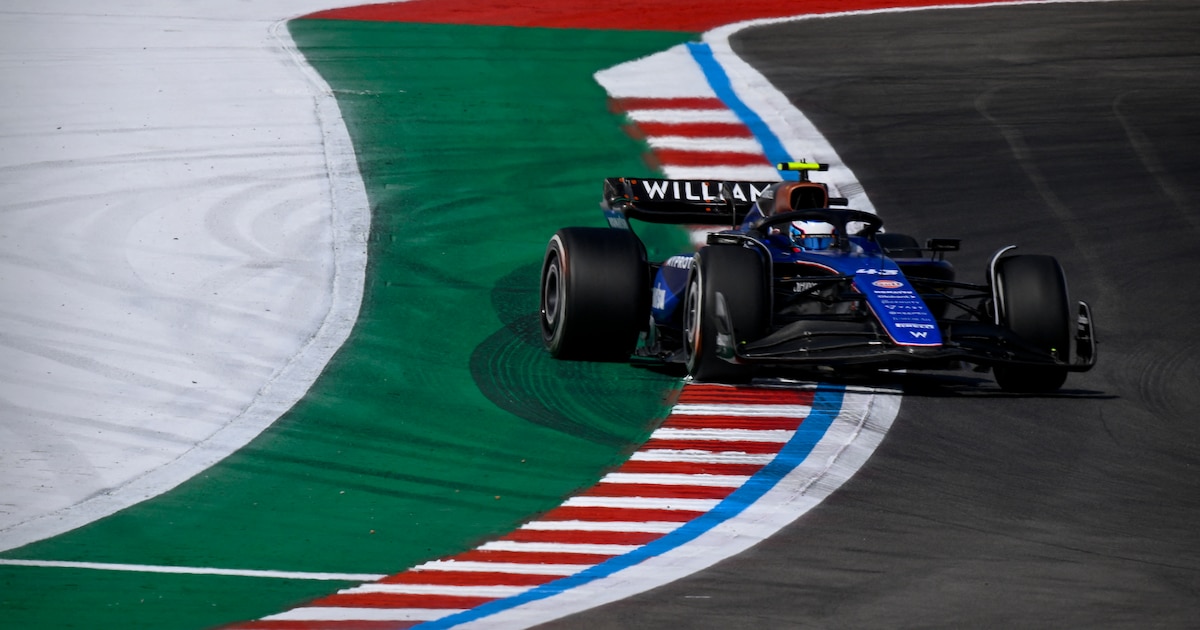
(827, 404)
(719, 81)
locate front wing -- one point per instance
(833, 343)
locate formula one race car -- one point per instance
(794, 282)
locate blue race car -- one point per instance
(796, 283)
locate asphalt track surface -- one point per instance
(1068, 129)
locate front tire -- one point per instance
(595, 295)
(739, 274)
(1033, 303)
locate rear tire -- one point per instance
(1033, 303)
(740, 275)
(595, 295)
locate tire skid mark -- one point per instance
(711, 478)
(607, 521)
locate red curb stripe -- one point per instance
(398, 600)
(657, 491)
(674, 157)
(689, 468)
(325, 625)
(532, 557)
(467, 578)
(699, 394)
(715, 446)
(730, 422)
(685, 16)
(608, 515)
(695, 130)
(697, 102)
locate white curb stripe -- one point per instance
(648, 527)
(551, 547)
(644, 503)
(706, 144)
(669, 479)
(438, 589)
(764, 173)
(519, 568)
(336, 613)
(684, 116)
(779, 436)
(750, 411)
(701, 457)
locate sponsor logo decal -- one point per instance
(801, 287)
(659, 298)
(888, 284)
(697, 190)
(679, 262)
(616, 220)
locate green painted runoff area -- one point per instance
(442, 422)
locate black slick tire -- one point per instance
(738, 274)
(1033, 303)
(595, 295)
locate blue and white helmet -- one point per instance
(813, 235)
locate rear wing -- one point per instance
(694, 201)
(703, 202)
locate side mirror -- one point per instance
(943, 244)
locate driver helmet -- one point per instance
(814, 235)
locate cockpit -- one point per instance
(788, 197)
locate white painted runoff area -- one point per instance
(182, 245)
